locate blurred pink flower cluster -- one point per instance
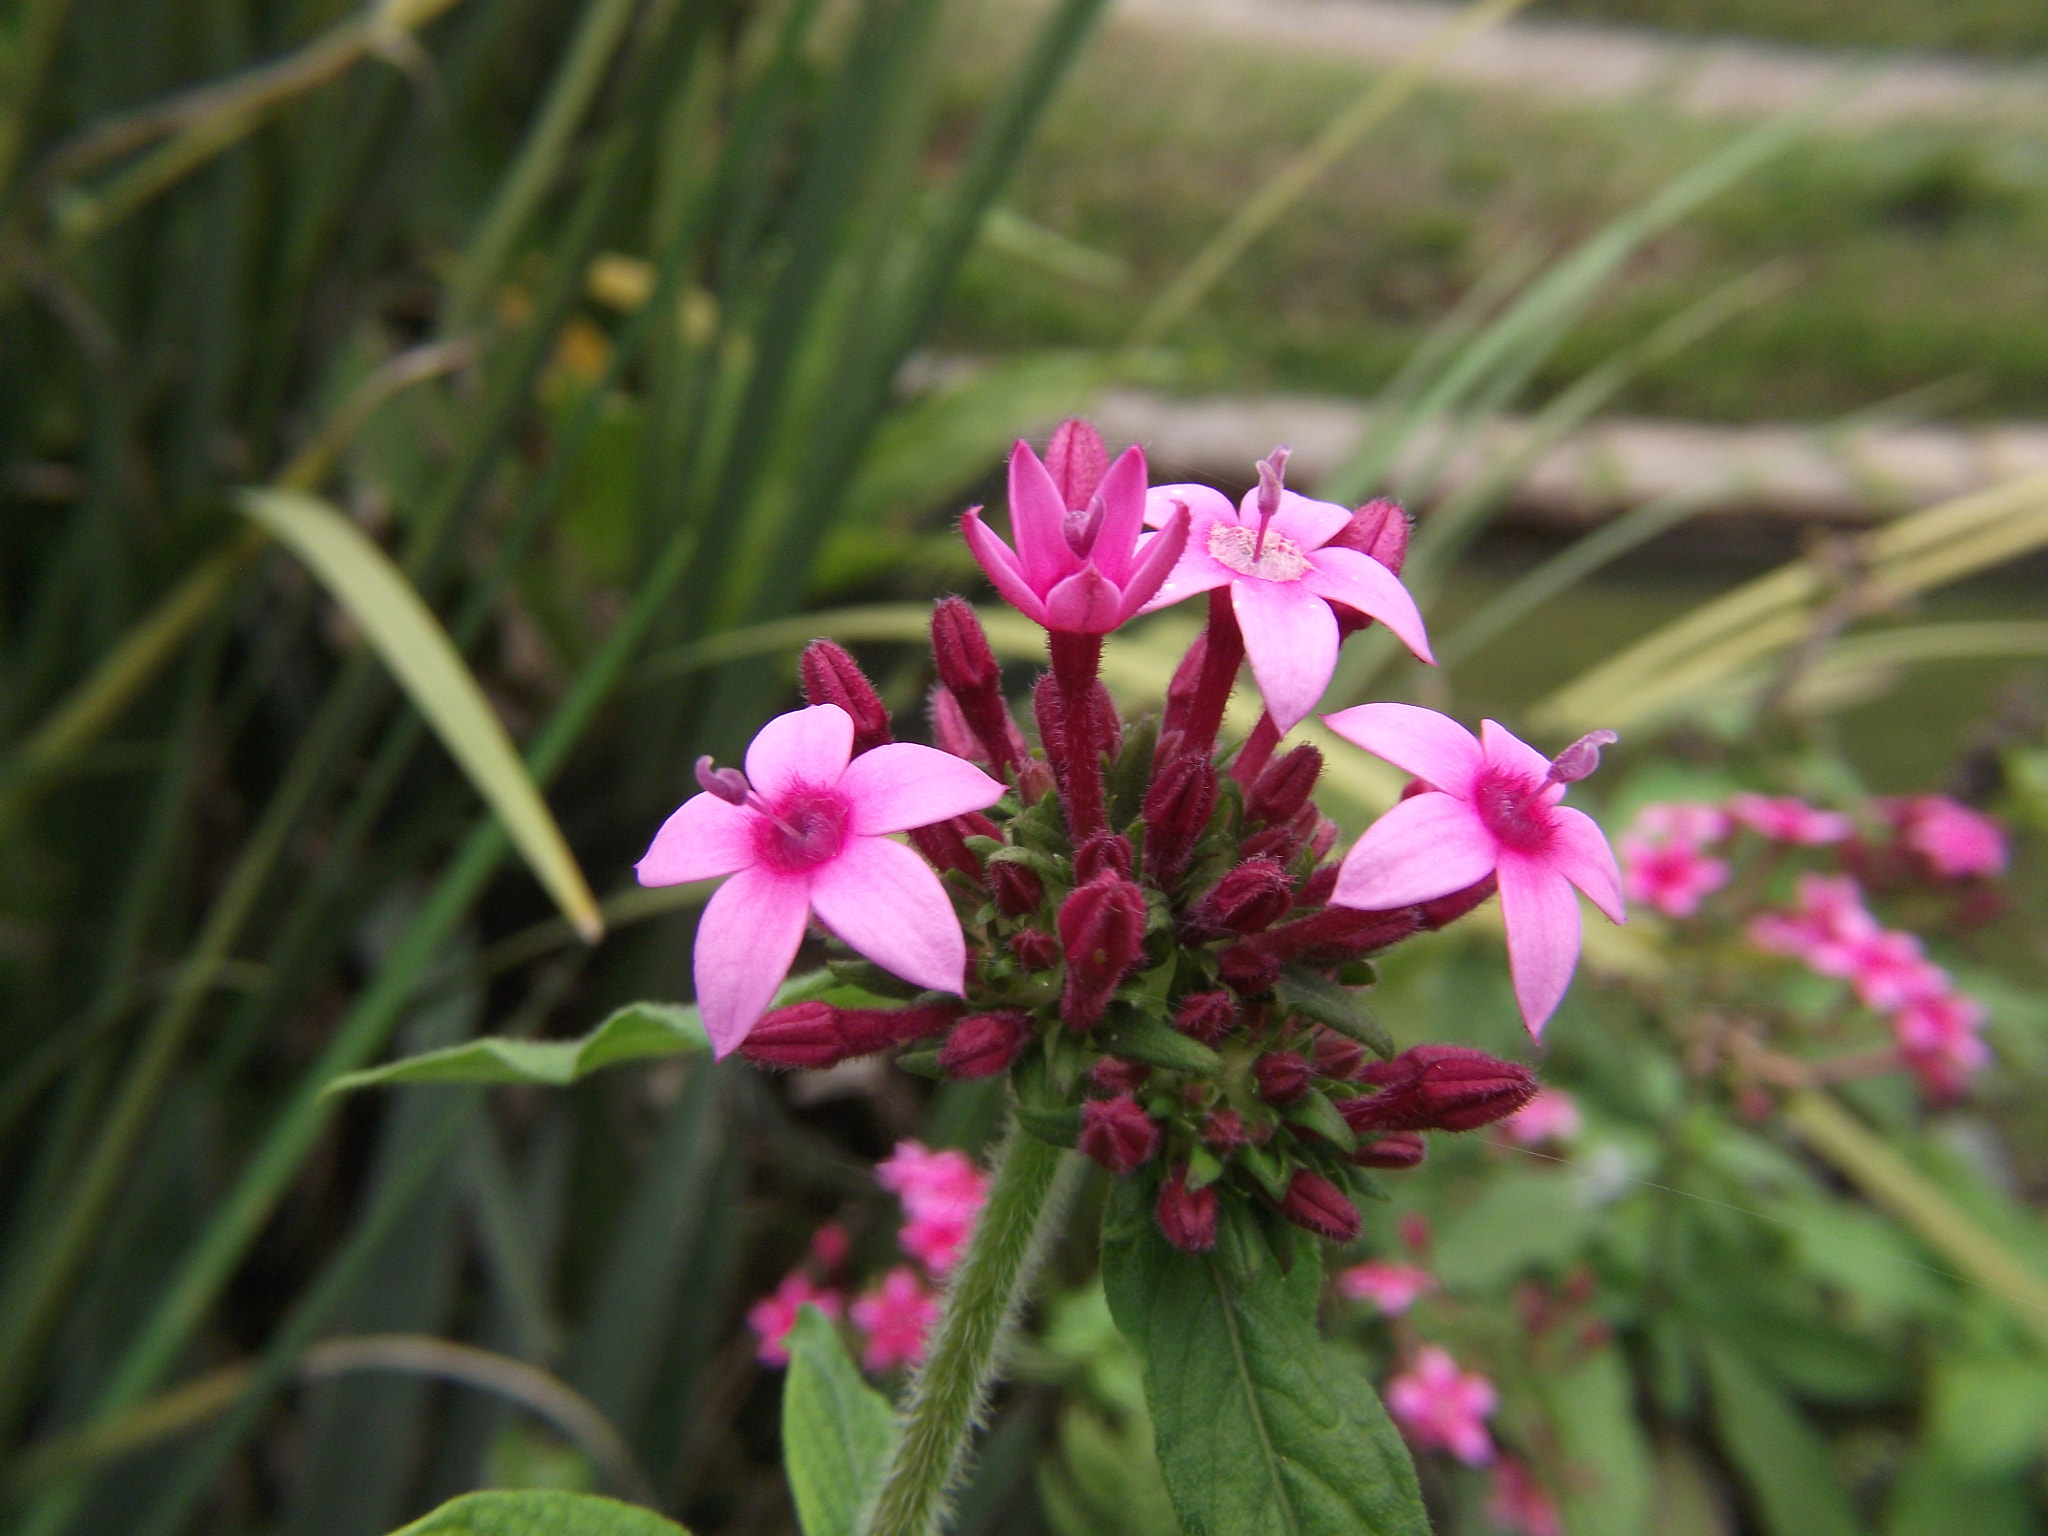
(942, 1194)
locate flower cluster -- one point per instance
(1149, 931)
(1676, 856)
(942, 1194)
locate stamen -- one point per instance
(1579, 759)
(1272, 477)
(1082, 527)
(729, 784)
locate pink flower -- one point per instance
(802, 831)
(773, 1316)
(942, 1193)
(1519, 1504)
(1490, 810)
(1273, 551)
(1682, 821)
(1442, 1407)
(1674, 877)
(1888, 971)
(1826, 929)
(1938, 1037)
(1393, 1288)
(1553, 1115)
(896, 1318)
(1076, 569)
(1956, 841)
(1787, 820)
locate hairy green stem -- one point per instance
(1026, 1204)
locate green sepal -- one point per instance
(1066, 1058)
(1204, 1167)
(1125, 783)
(1317, 997)
(1044, 865)
(1361, 1182)
(1359, 973)
(1041, 828)
(1314, 1112)
(1131, 1035)
(1273, 1175)
(922, 1062)
(1054, 1127)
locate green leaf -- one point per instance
(1261, 1431)
(1592, 1408)
(410, 641)
(1326, 1002)
(1137, 1038)
(1782, 1459)
(836, 1429)
(634, 1032)
(540, 1512)
(1524, 1220)
(1988, 1415)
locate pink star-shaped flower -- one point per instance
(1786, 819)
(942, 1195)
(1393, 1288)
(1078, 570)
(1956, 841)
(774, 1315)
(1283, 574)
(1490, 810)
(897, 1317)
(1939, 1038)
(1444, 1408)
(805, 830)
(1674, 877)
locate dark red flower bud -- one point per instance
(1338, 1057)
(1248, 899)
(1111, 1075)
(833, 677)
(1380, 529)
(968, 668)
(1286, 840)
(1102, 853)
(1017, 888)
(1118, 1133)
(983, 1044)
(1206, 1016)
(1106, 723)
(813, 1035)
(1323, 839)
(1282, 1077)
(1433, 915)
(1187, 1216)
(1181, 693)
(952, 733)
(1076, 459)
(1319, 887)
(1177, 808)
(1284, 787)
(1319, 1206)
(1396, 1149)
(1247, 970)
(1337, 936)
(1439, 1088)
(1035, 950)
(1102, 931)
(1223, 1132)
(944, 846)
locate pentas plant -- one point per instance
(1148, 931)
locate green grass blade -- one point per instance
(633, 1033)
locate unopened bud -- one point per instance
(951, 732)
(1579, 759)
(1118, 1133)
(965, 661)
(1248, 899)
(1445, 910)
(1247, 970)
(984, 1044)
(728, 784)
(1323, 839)
(1076, 458)
(1338, 1057)
(1186, 1216)
(1395, 1150)
(1035, 949)
(1223, 1132)
(1318, 1206)
(1017, 888)
(1439, 1087)
(1206, 1016)
(1380, 529)
(815, 1035)
(1282, 1077)
(1181, 693)
(1111, 1075)
(1337, 936)
(831, 676)
(1102, 931)
(1177, 808)
(1319, 887)
(944, 845)
(1279, 793)
(1283, 842)
(1102, 853)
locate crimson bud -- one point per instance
(1187, 1216)
(812, 1035)
(831, 676)
(1177, 808)
(1282, 1077)
(1338, 1057)
(1018, 890)
(1319, 1206)
(983, 1044)
(1102, 930)
(1283, 788)
(1206, 1016)
(1249, 899)
(1035, 949)
(1441, 1088)
(1118, 1133)
(1396, 1150)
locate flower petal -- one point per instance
(885, 902)
(1580, 853)
(899, 786)
(1162, 556)
(1310, 523)
(705, 838)
(745, 943)
(807, 747)
(1123, 498)
(1204, 502)
(1433, 747)
(1038, 518)
(1427, 846)
(1507, 751)
(1290, 636)
(1001, 564)
(1359, 581)
(1086, 603)
(1542, 917)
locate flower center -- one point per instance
(1514, 810)
(801, 830)
(1238, 548)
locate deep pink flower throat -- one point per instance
(1514, 810)
(801, 830)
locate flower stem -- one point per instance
(1027, 1201)
(1222, 655)
(1076, 664)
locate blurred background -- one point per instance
(648, 339)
